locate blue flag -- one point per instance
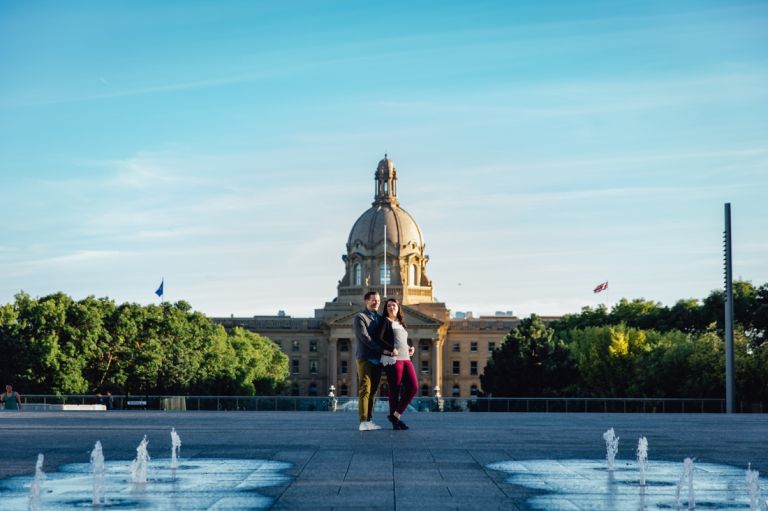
(159, 291)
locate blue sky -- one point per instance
(543, 147)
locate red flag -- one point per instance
(601, 287)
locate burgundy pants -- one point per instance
(401, 379)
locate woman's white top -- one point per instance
(401, 344)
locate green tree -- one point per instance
(530, 362)
(608, 358)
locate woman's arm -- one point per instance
(386, 336)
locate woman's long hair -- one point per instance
(399, 315)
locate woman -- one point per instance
(11, 399)
(401, 376)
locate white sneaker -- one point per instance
(372, 426)
(365, 426)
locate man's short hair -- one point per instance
(369, 294)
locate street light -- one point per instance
(332, 401)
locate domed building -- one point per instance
(385, 252)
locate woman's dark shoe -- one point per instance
(401, 425)
(394, 421)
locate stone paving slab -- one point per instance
(442, 462)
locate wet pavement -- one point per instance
(319, 460)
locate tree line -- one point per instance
(57, 345)
(638, 348)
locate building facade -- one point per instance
(384, 253)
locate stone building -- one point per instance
(384, 253)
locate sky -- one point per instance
(229, 147)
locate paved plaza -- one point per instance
(445, 461)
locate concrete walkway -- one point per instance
(442, 462)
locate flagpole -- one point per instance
(385, 257)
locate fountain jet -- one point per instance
(139, 465)
(175, 446)
(35, 487)
(99, 474)
(642, 457)
(611, 447)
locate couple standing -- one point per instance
(382, 342)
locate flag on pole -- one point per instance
(159, 291)
(601, 287)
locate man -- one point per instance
(367, 323)
(10, 399)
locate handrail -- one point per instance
(444, 404)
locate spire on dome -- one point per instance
(386, 183)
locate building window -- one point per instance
(473, 367)
(473, 390)
(473, 346)
(456, 392)
(343, 345)
(296, 346)
(344, 367)
(491, 346)
(425, 390)
(456, 347)
(313, 366)
(294, 389)
(312, 390)
(385, 273)
(358, 275)
(344, 390)
(425, 367)
(424, 346)
(456, 367)
(313, 345)
(295, 366)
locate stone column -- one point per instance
(332, 361)
(353, 367)
(437, 365)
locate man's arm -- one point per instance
(362, 335)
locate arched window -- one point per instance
(385, 274)
(344, 390)
(294, 389)
(473, 390)
(357, 275)
(425, 390)
(456, 392)
(412, 274)
(312, 391)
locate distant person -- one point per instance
(110, 401)
(11, 399)
(401, 376)
(369, 352)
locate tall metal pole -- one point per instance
(386, 276)
(729, 371)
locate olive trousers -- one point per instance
(368, 377)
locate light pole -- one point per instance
(729, 369)
(332, 401)
(439, 402)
